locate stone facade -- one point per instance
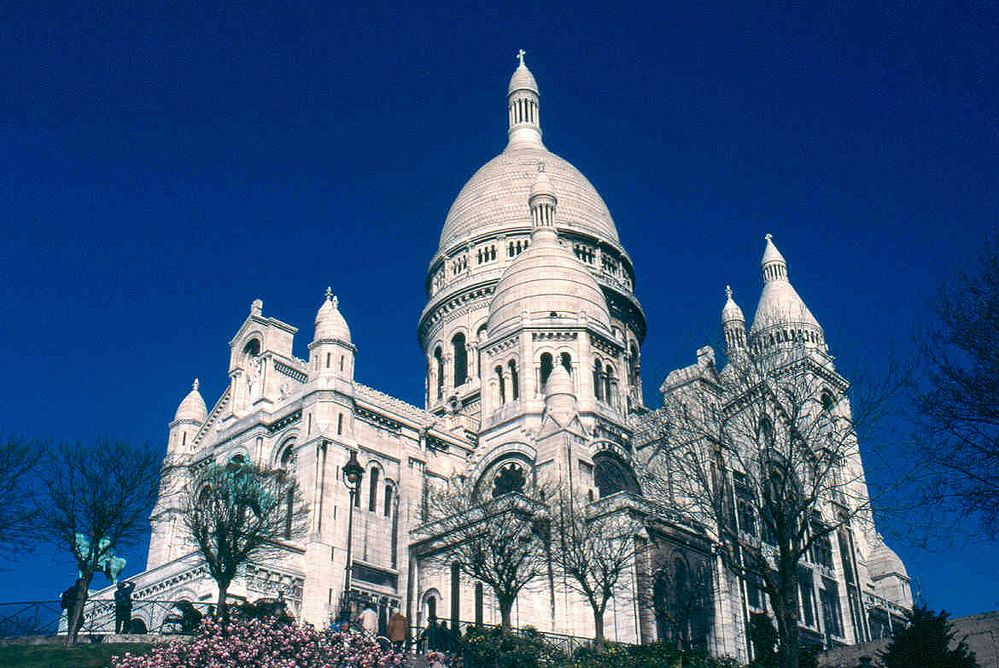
(532, 335)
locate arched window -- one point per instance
(609, 384)
(287, 464)
(252, 348)
(500, 387)
(509, 480)
(611, 476)
(460, 359)
(480, 337)
(388, 500)
(827, 400)
(514, 381)
(431, 606)
(598, 390)
(373, 491)
(766, 433)
(567, 362)
(546, 367)
(634, 365)
(439, 369)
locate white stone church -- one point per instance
(532, 335)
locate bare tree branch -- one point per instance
(19, 459)
(96, 501)
(765, 456)
(236, 513)
(501, 542)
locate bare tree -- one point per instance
(594, 545)
(18, 460)
(96, 501)
(765, 456)
(960, 401)
(501, 541)
(236, 513)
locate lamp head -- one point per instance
(353, 472)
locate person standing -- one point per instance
(369, 620)
(398, 629)
(123, 607)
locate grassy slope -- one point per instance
(60, 656)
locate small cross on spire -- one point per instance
(728, 291)
(329, 292)
(520, 55)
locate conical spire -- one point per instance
(523, 103)
(773, 264)
(781, 315)
(560, 395)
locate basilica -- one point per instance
(532, 335)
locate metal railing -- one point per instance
(31, 618)
(459, 642)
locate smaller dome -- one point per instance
(542, 185)
(731, 312)
(885, 561)
(522, 78)
(330, 323)
(546, 281)
(193, 406)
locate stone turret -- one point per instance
(733, 325)
(523, 102)
(331, 353)
(191, 414)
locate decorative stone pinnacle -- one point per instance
(520, 55)
(257, 306)
(335, 300)
(194, 385)
(768, 236)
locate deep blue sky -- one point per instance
(163, 165)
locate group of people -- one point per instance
(397, 629)
(438, 637)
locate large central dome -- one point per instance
(495, 198)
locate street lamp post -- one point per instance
(353, 473)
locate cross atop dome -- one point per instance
(520, 56)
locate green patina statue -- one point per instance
(107, 563)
